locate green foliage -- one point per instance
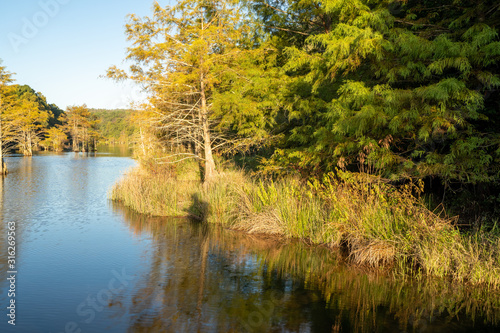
(245, 102)
(55, 139)
(407, 91)
(411, 85)
(25, 116)
(25, 91)
(7, 102)
(115, 125)
(29, 118)
(207, 91)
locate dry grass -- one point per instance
(373, 253)
(266, 222)
(157, 192)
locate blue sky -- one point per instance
(61, 47)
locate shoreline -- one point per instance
(375, 224)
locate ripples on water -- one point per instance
(86, 263)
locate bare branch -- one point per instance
(288, 30)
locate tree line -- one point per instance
(29, 123)
(115, 126)
(403, 89)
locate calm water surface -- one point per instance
(86, 264)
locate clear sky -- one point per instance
(61, 47)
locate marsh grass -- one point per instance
(377, 224)
(160, 190)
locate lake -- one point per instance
(86, 264)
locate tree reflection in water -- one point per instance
(207, 279)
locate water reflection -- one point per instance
(63, 228)
(3, 240)
(116, 150)
(204, 279)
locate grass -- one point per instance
(157, 190)
(377, 224)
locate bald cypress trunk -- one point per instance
(210, 171)
(3, 167)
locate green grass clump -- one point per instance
(280, 207)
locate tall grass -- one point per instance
(378, 225)
(158, 190)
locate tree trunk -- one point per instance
(3, 170)
(75, 137)
(85, 141)
(142, 142)
(29, 151)
(210, 171)
(3, 166)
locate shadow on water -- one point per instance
(204, 278)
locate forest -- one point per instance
(115, 126)
(29, 123)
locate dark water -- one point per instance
(85, 264)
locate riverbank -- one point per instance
(377, 224)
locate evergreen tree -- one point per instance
(409, 88)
